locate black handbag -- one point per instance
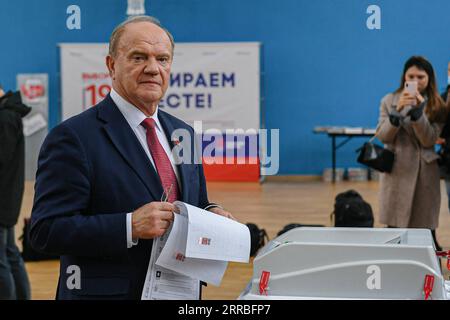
(376, 157)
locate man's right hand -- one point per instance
(152, 220)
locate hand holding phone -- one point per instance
(409, 96)
(411, 88)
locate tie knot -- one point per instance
(148, 123)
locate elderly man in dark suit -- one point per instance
(101, 174)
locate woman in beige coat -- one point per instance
(409, 125)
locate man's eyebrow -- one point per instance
(136, 51)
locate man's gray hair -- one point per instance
(117, 32)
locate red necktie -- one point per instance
(161, 160)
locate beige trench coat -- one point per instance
(410, 195)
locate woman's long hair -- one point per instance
(435, 108)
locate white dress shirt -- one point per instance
(134, 118)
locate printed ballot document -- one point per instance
(197, 247)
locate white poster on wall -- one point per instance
(34, 92)
(85, 79)
(216, 83)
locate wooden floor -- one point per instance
(270, 205)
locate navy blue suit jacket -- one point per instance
(92, 171)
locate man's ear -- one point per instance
(110, 64)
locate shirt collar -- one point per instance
(132, 114)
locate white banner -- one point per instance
(84, 77)
(217, 83)
(34, 92)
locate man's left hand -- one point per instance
(222, 212)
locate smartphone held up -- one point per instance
(411, 87)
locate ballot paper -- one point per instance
(163, 284)
(173, 257)
(211, 236)
(201, 243)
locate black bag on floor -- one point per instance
(258, 238)
(350, 210)
(290, 226)
(28, 253)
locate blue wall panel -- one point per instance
(322, 65)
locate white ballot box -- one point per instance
(348, 263)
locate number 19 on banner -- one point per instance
(94, 93)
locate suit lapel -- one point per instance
(127, 144)
(183, 168)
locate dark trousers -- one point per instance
(14, 284)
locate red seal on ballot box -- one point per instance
(263, 282)
(428, 285)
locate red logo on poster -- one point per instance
(32, 90)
